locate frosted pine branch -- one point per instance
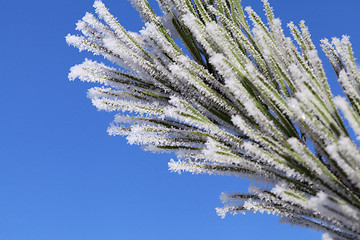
(247, 101)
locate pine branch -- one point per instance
(245, 102)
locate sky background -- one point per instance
(62, 176)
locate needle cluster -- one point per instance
(244, 100)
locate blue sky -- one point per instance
(63, 177)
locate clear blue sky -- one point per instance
(61, 175)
